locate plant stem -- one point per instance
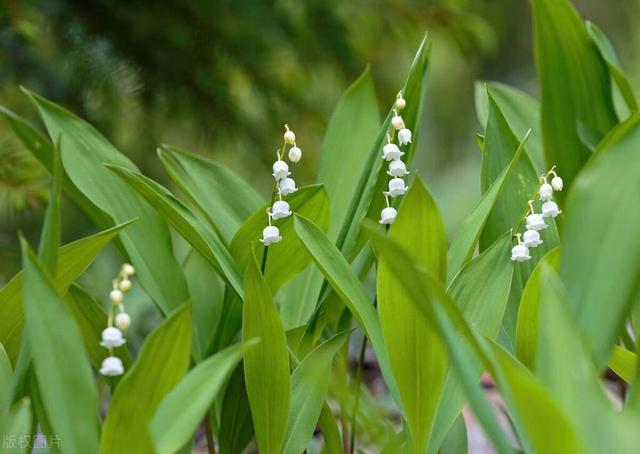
(363, 349)
(211, 446)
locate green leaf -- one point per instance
(181, 411)
(73, 259)
(14, 424)
(608, 54)
(343, 280)
(148, 243)
(623, 363)
(288, 257)
(456, 441)
(225, 199)
(481, 292)
(330, 432)
(309, 383)
(161, 364)
(266, 367)
(574, 84)
(601, 256)
(368, 194)
(529, 311)
(6, 377)
(521, 111)
(418, 357)
(236, 426)
(50, 236)
(466, 239)
(186, 223)
(63, 373)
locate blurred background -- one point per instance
(221, 78)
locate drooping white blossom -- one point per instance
(280, 209)
(270, 235)
(388, 215)
(112, 337)
(112, 366)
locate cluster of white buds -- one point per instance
(112, 335)
(284, 185)
(535, 221)
(397, 169)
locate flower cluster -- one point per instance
(112, 335)
(535, 221)
(284, 185)
(392, 154)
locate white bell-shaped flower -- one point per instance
(391, 152)
(520, 253)
(128, 269)
(289, 137)
(557, 183)
(124, 285)
(270, 235)
(112, 366)
(404, 136)
(546, 191)
(397, 187)
(388, 215)
(550, 209)
(400, 103)
(116, 296)
(280, 169)
(397, 122)
(112, 337)
(280, 209)
(397, 168)
(123, 321)
(295, 154)
(531, 238)
(535, 221)
(287, 186)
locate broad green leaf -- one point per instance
(608, 54)
(15, 424)
(180, 217)
(574, 84)
(73, 259)
(368, 193)
(564, 364)
(42, 149)
(180, 412)
(527, 329)
(443, 313)
(456, 441)
(6, 377)
(544, 420)
(236, 426)
(266, 366)
(225, 199)
(50, 236)
(330, 433)
(481, 292)
(288, 257)
(309, 383)
(416, 353)
(600, 258)
(623, 363)
(91, 319)
(62, 369)
(148, 243)
(347, 285)
(161, 364)
(466, 239)
(521, 111)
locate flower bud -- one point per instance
(128, 269)
(550, 209)
(280, 170)
(404, 136)
(295, 154)
(280, 209)
(557, 183)
(287, 186)
(520, 253)
(388, 215)
(123, 321)
(289, 137)
(116, 296)
(124, 285)
(397, 122)
(391, 152)
(531, 238)
(270, 235)
(397, 187)
(400, 103)
(546, 192)
(112, 366)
